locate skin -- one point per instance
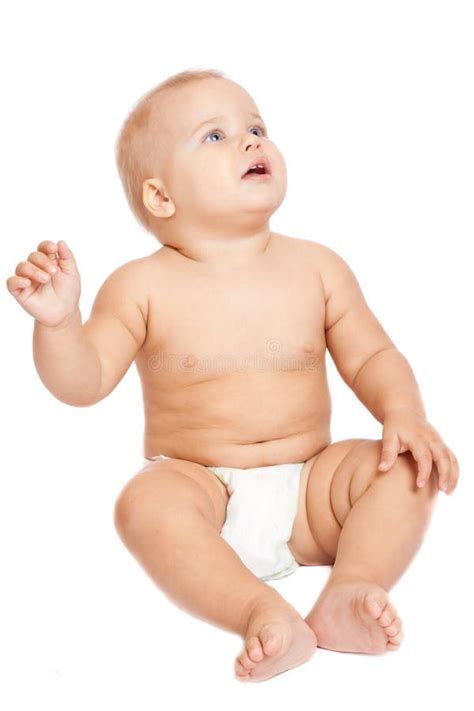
(201, 207)
(228, 324)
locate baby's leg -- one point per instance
(169, 517)
(374, 526)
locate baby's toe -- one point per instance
(271, 638)
(254, 649)
(394, 628)
(374, 603)
(396, 639)
(392, 646)
(388, 615)
(240, 670)
(245, 661)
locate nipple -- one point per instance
(189, 361)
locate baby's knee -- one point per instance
(138, 500)
(161, 495)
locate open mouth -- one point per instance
(259, 168)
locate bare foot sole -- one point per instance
(355, 616)
(277, 639)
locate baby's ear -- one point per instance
(156, 200)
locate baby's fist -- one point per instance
(47, 285)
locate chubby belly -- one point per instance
(233, 368)
(244, 419)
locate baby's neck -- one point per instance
(226, 252)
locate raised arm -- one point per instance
(116, 326)
(79, 363)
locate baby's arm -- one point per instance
(82, 363)
(79, 363)
(365, 356)
(116, 326)
(380, 376)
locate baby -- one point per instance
(228, 323)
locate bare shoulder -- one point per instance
(125, 293)
(331, 266)
(333, 269)
(127, 283)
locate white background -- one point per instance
(371, 104)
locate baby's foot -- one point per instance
(277, 639)
(355, 616)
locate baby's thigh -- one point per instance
(171, 486)
(328, 493)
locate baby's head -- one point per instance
(181, 154)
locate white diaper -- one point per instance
(260, 514)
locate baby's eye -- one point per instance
(215, 131)
(259, 128)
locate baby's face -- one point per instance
(203, 158)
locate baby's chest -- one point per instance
(214, 330)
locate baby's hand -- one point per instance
(404, 429)
(47, 286)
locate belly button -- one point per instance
(308, 347)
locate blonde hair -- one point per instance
(135, 142)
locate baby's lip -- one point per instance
(259, 160)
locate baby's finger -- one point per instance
(390, 449)
(443, 464)
(40, 260)
(15, 284)
(30, 271)
(49, 248)
(422, 455)
(453, 481)
(66, 259)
